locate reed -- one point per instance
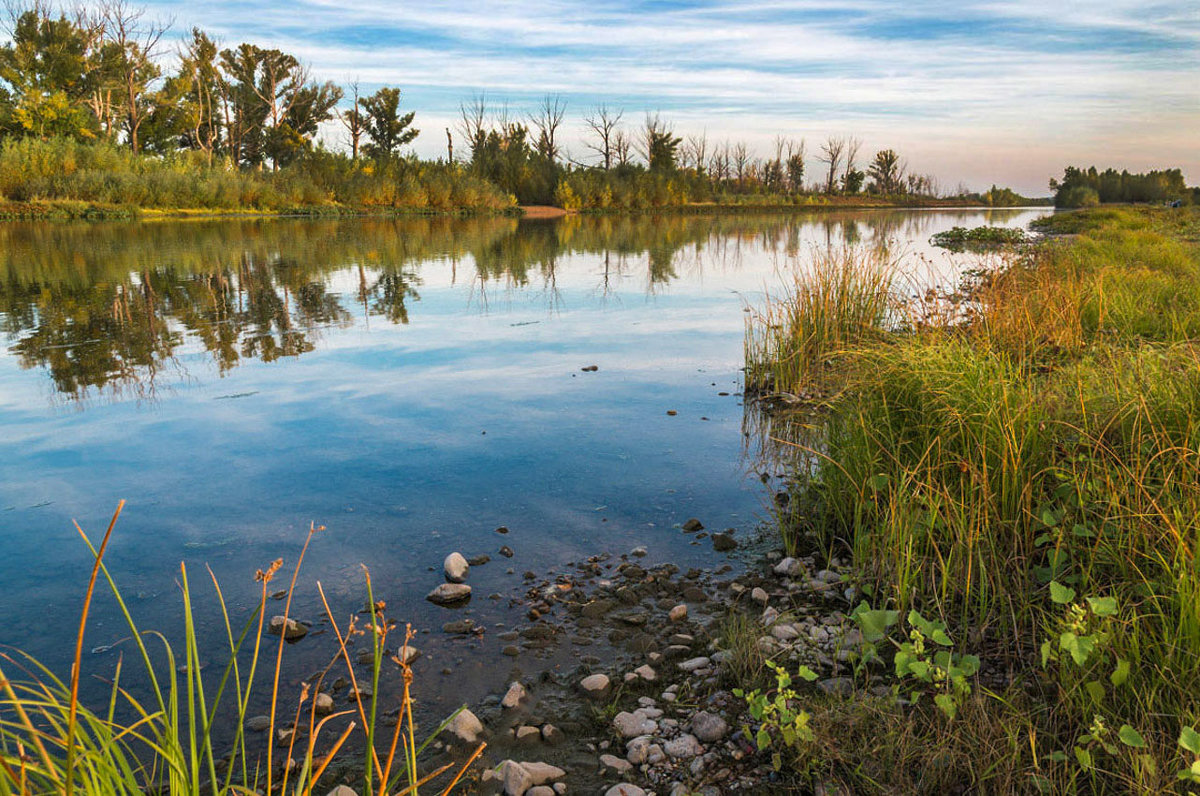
(163, 734)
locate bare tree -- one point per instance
(472, 121)
(832, 152)
(137, 43)
(695, 151)
(741, 162)
(603, 123)
(853, 145)
(622, 148)
(547, 119)
(352, 120)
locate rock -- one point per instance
(459, 627)
(724, 542)
(406, 655)
(290, 629)
(647, 673)
(456, 568)
(590, 368)
(342, 790)
(541, 790)
(258, 723)
(785, 632)
(541, 773)
(837, 686)
(678, 613)
(709, 727)
(513, 697)
(323, 704)
(770, 616)
(506, 551)
(625, 789)
(616, 764)
(692, 664)
(789, 567)
(693, 525)
(552, 735)
(465, 727)
(631, 725)
(683, 748)
(449, 594)
(759, 595)
(526, 734)
(595, 685)
(639, 552)
(515, 778)
(479, 560)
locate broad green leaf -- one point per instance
(939, 636)
(1121, 673)
(1083, 756)
(878, 482)
(806, 674)
(1103, 606)
(1190, 739)
(947, 704)
(1048, 518)
(1047, 651)
(1131, 737)
(1095, 691)
(874, 624)
(763, 739)
(1061, 594)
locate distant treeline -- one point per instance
(93, 109)
(1090, 187)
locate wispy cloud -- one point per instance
(983, 91)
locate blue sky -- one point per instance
(978, 91)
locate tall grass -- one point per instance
(62, 170)
(845, 298)
(165, 733)
(1053, 435)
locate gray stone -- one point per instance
(678, 613)
(323, 704)
(693, 525)
(684, 747)
(465, 727)
(526, 734)
(759, 595)
(513, 697)
(625, 789)
(258, 723)
(552, 735)
(709, 727)
(631, 725)
(616, 764)
(515, 778)
(837, 686)
(456, 568)
(541, 790)
(290, 629)
(406, 655)
(541, 773)
(647, 673)
(789, 567)
(449, 594)
(595, 685)
(724, 542)
(692, 664)
(343, 790)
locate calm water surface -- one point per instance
(409, 384)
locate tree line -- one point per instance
(98, 75)
(1090, 187)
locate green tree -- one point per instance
(46, 77)
(385, 128)
(660, 145)
(886, 172)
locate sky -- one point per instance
(974, 92)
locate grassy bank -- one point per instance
(1028, 474)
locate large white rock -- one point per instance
(465, 727)
(513, 697)
(456, 568)
(595, 684)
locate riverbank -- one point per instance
(1013, 472)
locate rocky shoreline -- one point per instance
(654, 713)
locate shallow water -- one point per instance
(409, 384)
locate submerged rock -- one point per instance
(449, 594)
(724, 542)
(290, 629)
(693, 525)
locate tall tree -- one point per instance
(47, 75)
(886, 172)
(604, 124)
(353, 120)
(795, 166)
(832, 152)
(135, 43)
(546, 120)
(660, 145)
(384, 126)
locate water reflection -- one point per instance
(105, 308)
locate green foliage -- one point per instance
(978, 238)
(783, 726)
(1089, 187)
(387, 130)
